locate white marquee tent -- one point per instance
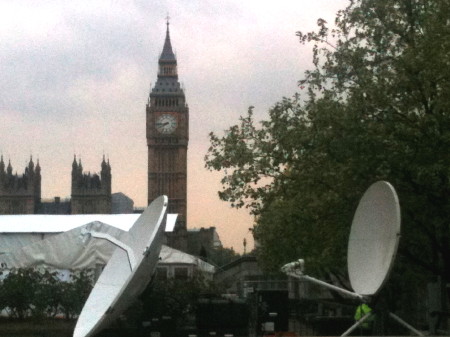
(61, 242)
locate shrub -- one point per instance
(26, 292)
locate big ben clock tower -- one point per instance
(167, 137)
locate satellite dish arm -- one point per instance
(406, 325)
(357, 324)
(295, 269)
(114, 241)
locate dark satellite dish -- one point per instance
(127, 273)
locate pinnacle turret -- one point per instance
(31, 164)
(9, 168)
(104, 164)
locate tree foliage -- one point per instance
(375, 106)
(28, 292)
(220, 256)
(74, 294)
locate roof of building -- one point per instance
(121, 196)
(167, 53)
(238, 261)
(173, 256)
(54, 207)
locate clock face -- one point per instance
(166, 124)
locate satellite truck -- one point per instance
(128, 271)
(371, 251)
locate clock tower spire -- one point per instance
(167, 137)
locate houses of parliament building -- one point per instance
(167, 133)
(167, 130)
(21, 194)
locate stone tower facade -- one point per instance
(20, 194)
(91, 194)
(167, 139)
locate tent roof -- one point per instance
(61, 223)
(70, 226)
(173, 256)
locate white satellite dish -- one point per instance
(374, 239)
(127, 273)
(372, 248)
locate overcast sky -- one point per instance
(75, 77)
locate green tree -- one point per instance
(17, 291)
(29, 292)
(375, 106)
(47, 294)
(75, 292)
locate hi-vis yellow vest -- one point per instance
(361, 311)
